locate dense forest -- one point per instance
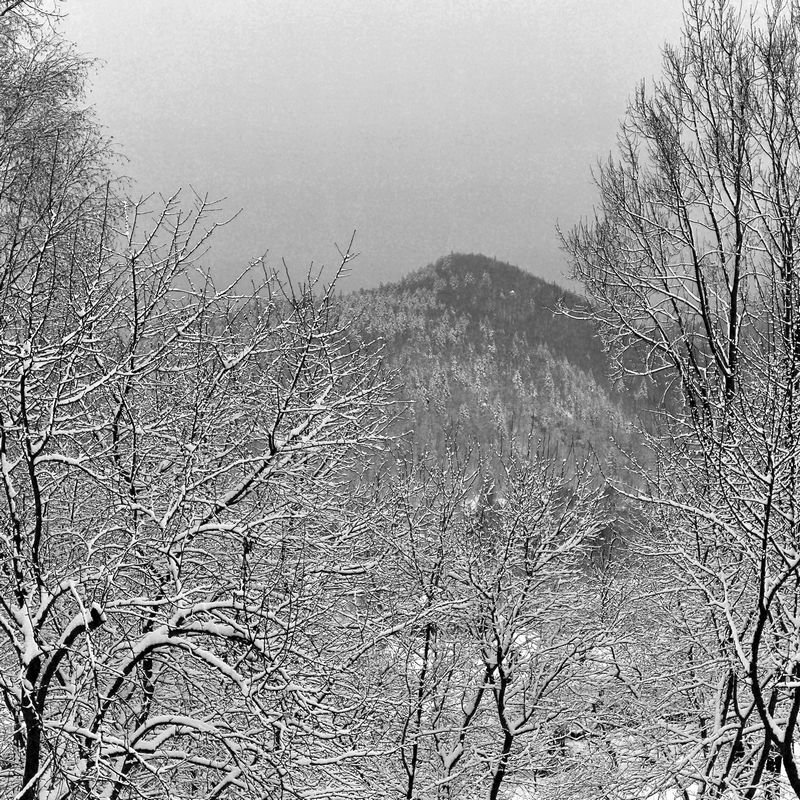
(487, 353)
(468, 535)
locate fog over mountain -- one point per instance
(427, 127)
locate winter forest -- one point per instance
(467, 535)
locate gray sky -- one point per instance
(426, 125)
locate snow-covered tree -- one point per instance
(691, 267)
(180, 536)
(506, 656)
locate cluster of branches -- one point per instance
(691, 269)
(209, 586)
(200, 595)
(501, 668)
(176, 551)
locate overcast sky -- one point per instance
(428, 126)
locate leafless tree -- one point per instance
(181, 535)
(504, 657)
(691, 270)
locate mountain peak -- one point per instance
(503, 298)
(480, 343)
(475, 268)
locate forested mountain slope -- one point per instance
(484, 356)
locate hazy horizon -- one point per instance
(428, 128)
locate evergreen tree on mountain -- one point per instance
(485, 356)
